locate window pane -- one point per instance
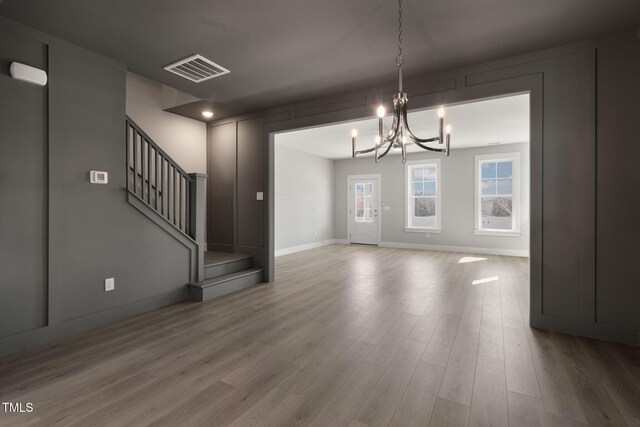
(418, 189)
(424, 212)
(488, 186)
(359, 215)
(497, 213)
(417, 174)
(505, 186)
(505, 169)
(367, 203)
(369, 188)
(359, 188)
(359, 202)
(425, 206)
(430, 173)
(430, 188)
(488, 170)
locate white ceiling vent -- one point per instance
(196, 68)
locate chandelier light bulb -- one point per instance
(441, 112)
(354, 132)
(377, 140)
(381, 111)
(447, 129)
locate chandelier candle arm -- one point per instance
(404, 149)
(354, 135)
(441, 113)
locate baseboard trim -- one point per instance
(462, 249)
(307, 246)
(401, 245)
(56, 331)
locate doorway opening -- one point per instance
(475, 201)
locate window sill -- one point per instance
(504, 233)
(423, 230)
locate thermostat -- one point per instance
(99, 177)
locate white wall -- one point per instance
(183, 139)
(304, 209)
(458, 185)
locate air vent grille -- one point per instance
(196, 68)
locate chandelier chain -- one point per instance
(400, 58)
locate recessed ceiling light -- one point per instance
(207, 114)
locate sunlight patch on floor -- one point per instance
(485, 280)
(467, 259)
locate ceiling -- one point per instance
(285, 51)
(475, 124)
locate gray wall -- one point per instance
(183, 139)
(458, 198)
(304, 198)
(566, 133)
(617, 297)
(61, 235)
(23, 192)
(238, 166)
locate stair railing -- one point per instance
(157, 180)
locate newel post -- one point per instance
(197, 216)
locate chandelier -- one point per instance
(396, 138)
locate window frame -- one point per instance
(515, 192)
(409, 166)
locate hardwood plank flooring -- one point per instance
(345, 336)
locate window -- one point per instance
(423, 195)
(363, 200)
(497, 203)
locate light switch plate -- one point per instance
(259, 195)
(99, 177)
(109, 284)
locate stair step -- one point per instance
(217, 264)
(226, 284)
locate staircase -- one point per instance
(175, 200)
(225, 273)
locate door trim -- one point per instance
(378, 178)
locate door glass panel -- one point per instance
(363, 199)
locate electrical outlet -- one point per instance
(109, 284)
(259, 195)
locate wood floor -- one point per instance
(346, 336)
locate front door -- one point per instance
(363, 211)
